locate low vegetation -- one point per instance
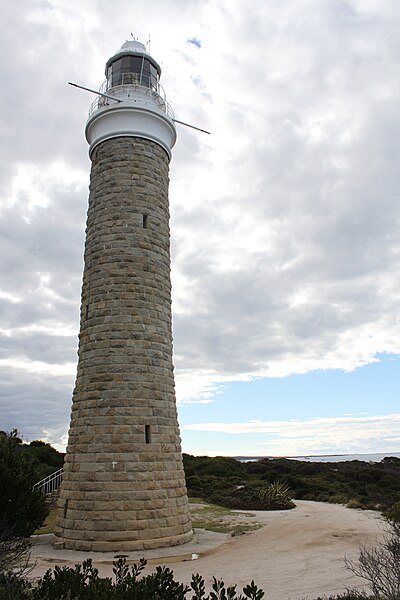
(221, 519)
(22, 509)
(83, 583)
(230, 483)
(224, 481)
(42, 458)
(379, 563)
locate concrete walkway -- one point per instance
(46, 556)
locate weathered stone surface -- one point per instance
(124, 486)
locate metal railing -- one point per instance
(51, 483)
(124, 84)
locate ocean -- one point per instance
(377, 457)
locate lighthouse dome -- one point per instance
(134, 46)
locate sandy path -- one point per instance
(297, 554)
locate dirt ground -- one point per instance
(296, 554)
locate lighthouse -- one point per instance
(124, 484)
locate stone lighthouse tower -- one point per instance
(124, 484)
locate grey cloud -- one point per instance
(36, 346)
(34, 402)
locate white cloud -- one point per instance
(36, 366)
(362, 434)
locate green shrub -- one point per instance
(276, 496)
(379, 565)
(44, 458)
(22, 509)
(83, 583)
(13, 587)
(350, 595)
(393, 514)
(219, 466)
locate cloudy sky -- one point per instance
(285, 220)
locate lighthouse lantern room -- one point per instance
(132, 101)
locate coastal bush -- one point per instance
(374, 486)
(276, 496)
(392, 515)
(14, 587)
(43, 458)
(350, 595)
(82, 582)
(240, 494)
(379, 564)
(13, 549)
(219, 466)
(22, 509)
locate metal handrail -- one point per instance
(127, 83)
(50, 483)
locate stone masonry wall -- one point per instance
(124, 485)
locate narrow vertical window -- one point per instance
(87, 311)
(145, 221)
(65, 509)
(147, 434)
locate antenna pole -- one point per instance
(191, 126)
(81, 87)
